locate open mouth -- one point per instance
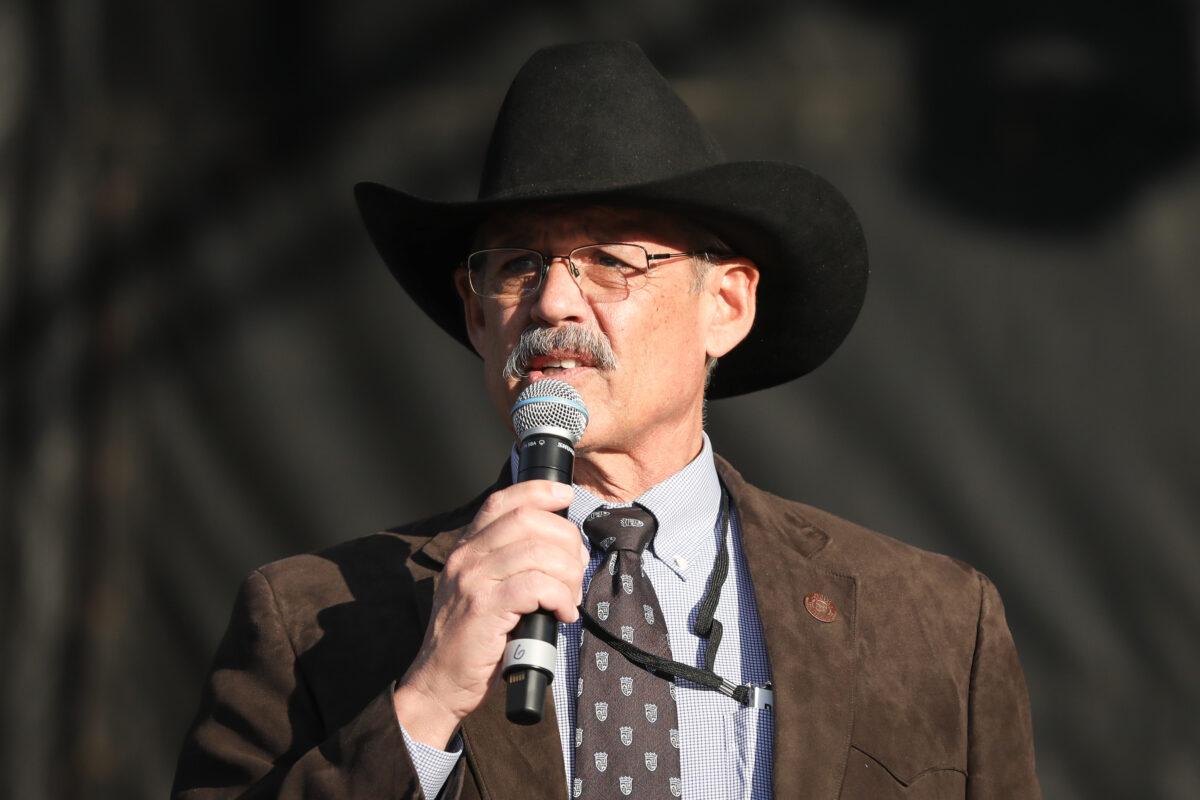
(557, 365)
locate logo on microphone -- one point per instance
(629, 522)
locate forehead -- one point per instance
(522, 227)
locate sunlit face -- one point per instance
(659, 333)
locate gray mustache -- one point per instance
(535, 342)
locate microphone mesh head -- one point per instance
(550, 403)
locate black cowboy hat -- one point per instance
(597, 123)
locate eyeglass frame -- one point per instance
(548, 259)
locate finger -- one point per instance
(523, 523)
(528, 591)
(526, 554)
(544, 495)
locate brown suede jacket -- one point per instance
(913, 690)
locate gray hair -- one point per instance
(580, 339)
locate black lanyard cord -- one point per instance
(664, 667)
(706, 627)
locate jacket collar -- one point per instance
(813, 663)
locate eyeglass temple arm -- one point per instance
(691, 254)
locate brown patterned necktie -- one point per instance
(627, 739)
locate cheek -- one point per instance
(655, 351)
(500, 333)
(667, 328)
(503, 328)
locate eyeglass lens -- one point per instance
(606, 271)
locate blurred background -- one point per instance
(205, 367)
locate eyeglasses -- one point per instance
(604, 272)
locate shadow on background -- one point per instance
(1052, 118)
(205, 366)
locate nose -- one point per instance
(560, 298)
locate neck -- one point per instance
(621, 475)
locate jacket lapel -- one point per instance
(813, 663)
(507, 760)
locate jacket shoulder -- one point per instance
(352, 615)
(376, 571)
(874, 555)
(845, 547)
(377, 555)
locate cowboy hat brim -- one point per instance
(800, 231)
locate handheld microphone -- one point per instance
(549, 418)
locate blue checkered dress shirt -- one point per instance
(725, 749)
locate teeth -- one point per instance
(564, 364)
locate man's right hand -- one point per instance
(516, 556)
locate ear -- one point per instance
(732, 286)
(472, 309)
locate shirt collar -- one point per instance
(686, 506)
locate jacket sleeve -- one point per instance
(259, 733)
(1000, 751)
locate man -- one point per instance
(613, 248)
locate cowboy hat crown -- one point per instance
(596, 123)
(591, 118)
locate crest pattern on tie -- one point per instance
(626, 703)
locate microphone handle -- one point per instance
(529, 657)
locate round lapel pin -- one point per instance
(820, 606)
